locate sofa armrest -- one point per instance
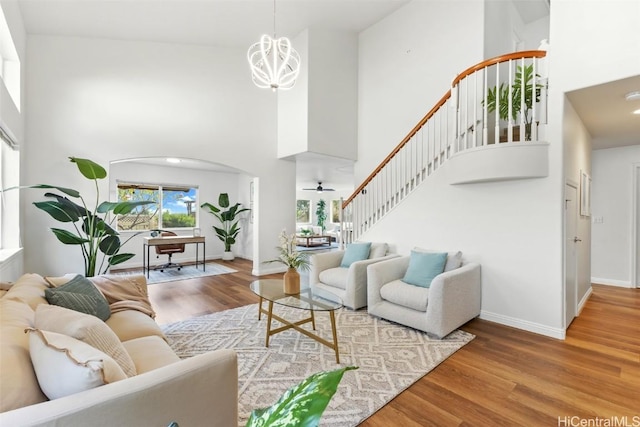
(323, 261)
(454, 299)
(201, 390)
(381, 273)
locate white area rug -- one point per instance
(390, 357)
(186, 272)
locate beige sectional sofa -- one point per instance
(158, 389)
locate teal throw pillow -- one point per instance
(81, 295)
(355, 252)
(423, 267)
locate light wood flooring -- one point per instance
(504, 377)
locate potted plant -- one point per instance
(498, 97)
(228, 217)
(321, 214)
(302, 404)
(92, 230)
(294, 260)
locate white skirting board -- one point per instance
(525, 325)
(612, 282)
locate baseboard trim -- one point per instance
(271, 270)
(526, 325)
(612, 282)
(584, 300)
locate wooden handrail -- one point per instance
(399, 147)
(498, 60)
(465, 73)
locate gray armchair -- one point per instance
(349, 284)
(452, 299)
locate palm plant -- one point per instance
(226, 214)
(321, 213)
(92, 230)
(498, 97)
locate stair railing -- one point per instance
(500, 100)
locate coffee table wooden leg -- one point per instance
(260, 309)
(313, 321)
(269, 315)
(335, 335)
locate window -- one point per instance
(9, 62)
(178, 206)
(303, 211)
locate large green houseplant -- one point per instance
(302, 405)
(498, 97)
(321, 214)
(228, 217)
(92, 232)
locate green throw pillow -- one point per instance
(355, 252)
(424, 267)
(81, 295)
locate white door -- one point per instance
(570, 259)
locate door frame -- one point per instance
(573, 184)
(635, 242)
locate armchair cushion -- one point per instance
(336, 277)
(401, 293)
(423, 267)
(454, 259)
(355, 252)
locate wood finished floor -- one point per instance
(504, 377)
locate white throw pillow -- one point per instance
(66, 366)
(86, 328)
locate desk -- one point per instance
(171, 240)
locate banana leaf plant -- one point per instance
(498, 97)
(226, 214)
(301, 405)
(92, 231)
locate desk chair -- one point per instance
(169, 249)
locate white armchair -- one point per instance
(452, 299)
(349, 284)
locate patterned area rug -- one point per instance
(390, 357)
(186, 272)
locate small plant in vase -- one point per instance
(294, 260)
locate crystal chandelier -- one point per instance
(274, 62)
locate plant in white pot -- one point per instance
(228, 217)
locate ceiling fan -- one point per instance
(319, 188)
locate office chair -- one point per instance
(168, 249)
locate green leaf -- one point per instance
(110, 245)
(220, 231)
(212, 208)
(68, 191)
(68, 238)
(69, 205)
(301, 405)
(223, 200)
(89, 169)
(58, 211)
(120, 258)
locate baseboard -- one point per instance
(612, 282)
(270, 270)
(525, 325)
(583, 301)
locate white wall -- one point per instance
(594, 42)
(406, 64)
(108, 100)
(511, 228)
(612, 202)
(577, 158)
(210, 184)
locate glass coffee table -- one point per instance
(272, 290)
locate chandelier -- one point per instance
(274, 62)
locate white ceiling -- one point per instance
(239, 23)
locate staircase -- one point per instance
(499, 104)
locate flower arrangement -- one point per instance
(288, 255)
